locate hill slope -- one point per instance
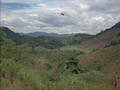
(104, 38)
(103, 59)
(106, 61)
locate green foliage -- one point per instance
(114, 43)
(74, 66)
(71, 82)
(2, 36)
(31, 77)
(23, 69)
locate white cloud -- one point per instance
(99, 19)
(85, 16)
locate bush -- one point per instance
(74, 66)
(9, 68)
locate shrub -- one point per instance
(74, 66)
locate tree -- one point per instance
(74, 66)
(2, 36)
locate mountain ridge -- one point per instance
(38, 34)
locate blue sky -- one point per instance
(81, 16)
(15, 6)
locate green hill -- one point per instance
(45, 41)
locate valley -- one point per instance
(78, 62)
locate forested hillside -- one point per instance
(45, 41)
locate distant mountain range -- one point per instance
(37, 34)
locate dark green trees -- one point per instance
(2, 36)
(74, 66)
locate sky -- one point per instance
(81, 16)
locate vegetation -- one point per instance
(45, 41)
(115, 43)
(49, 63)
